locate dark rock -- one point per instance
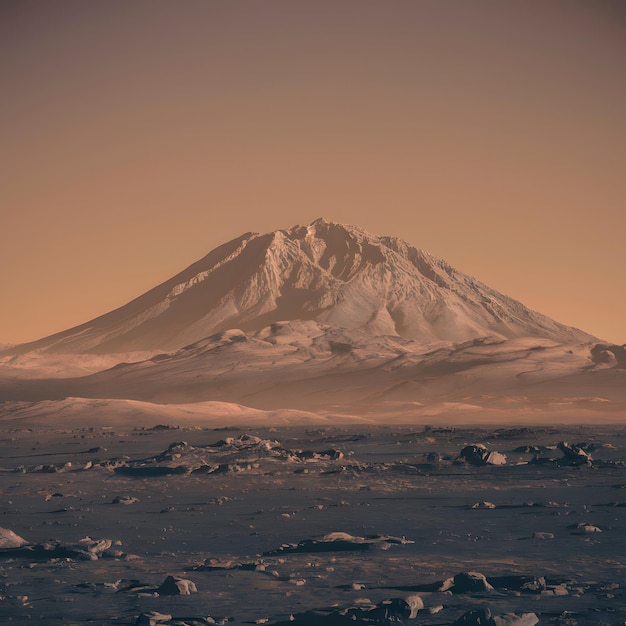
(153, 618)
(332, 454)
(124, 500)
(466, 582)
(396, 609)
(585, 528)
(175, 586)
(477, 617)
(478, 455)
(574, 454)
(386, 612)
(86, 549)
(483, 505)
(339, 542)
(514, 619)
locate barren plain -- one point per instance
(318, 525)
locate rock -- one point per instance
(483, 505)
(175, 450)
(513, 619)
(543, 536)
(94, 546)
(466, 582)
(8, 539)
(124, 500)
(391, 611)
(525, 584)
(332, 454)
(484, 617)
(339, 542)
(175, 586)
(478, 617)
(575, 455)
(608, 354)
(415, 603)
(584, 528)
(396, 609)
(86, 549)
(153, 618)
(477, 454)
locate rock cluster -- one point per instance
(391, 611)
(340, 542)
(478, 455)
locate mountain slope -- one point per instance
(307, 366)
(331, 273)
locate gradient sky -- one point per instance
(137, 135)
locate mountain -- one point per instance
(323, 323)
(333, 274)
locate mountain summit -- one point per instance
(332, 273)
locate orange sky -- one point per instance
(137, 136)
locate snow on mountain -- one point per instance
(340, 374)
(334, 274)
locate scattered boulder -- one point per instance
(340, 542)
(153, 618)
(175, 586)
(8, 539)
(585, 528)
(86, 549)
(478, 455)
(513, 619)
(574, 454)
(477, 617)
(466, 582)
(543, 536)
(391, 611)
(124, 500)
(484, 617)
(483, 505)
(396, 609)
(556, 590)
(174, 451)
(332, 454)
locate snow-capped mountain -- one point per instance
(334, 274)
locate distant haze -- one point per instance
(137, 136)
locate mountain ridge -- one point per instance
(335, 274)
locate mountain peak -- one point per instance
(332, 273)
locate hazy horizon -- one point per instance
(140, 136)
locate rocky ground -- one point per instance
(333, 525)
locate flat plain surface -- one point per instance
(386, 483)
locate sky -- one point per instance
(137, 135)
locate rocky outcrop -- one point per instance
(477, 454)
